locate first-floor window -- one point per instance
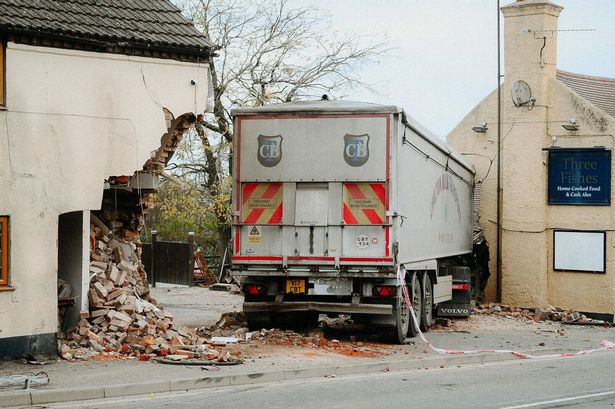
(2, 71)
(4, 250)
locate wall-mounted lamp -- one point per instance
(480, 129)
(571, 125)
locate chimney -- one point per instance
(530, 38)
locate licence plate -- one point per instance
(295, 286)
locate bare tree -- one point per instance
(266, 54)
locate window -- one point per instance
(4, 250)
(2, 72)
(577, 250)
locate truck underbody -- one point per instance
(295, 296)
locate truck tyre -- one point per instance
(402, 323)
(399, 332)
(258, 320)
(416, 299)
(427, 315)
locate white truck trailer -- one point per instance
(330, 198)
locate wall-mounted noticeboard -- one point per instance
(579, 176)
(575, 250)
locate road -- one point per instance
(579, 382)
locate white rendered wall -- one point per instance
(73, 119)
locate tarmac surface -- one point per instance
(266, 362)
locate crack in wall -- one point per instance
(154, 100)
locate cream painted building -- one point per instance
(557, 134)
(79, 102)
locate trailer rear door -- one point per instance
(311, 211)
(313, 189)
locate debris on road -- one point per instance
(547, 313)
(205, 365)
(125, 321)
(230, 324)
(233, 325)
(224, 287)
(223, 340)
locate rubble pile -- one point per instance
(317, 340)
(547, 313)
(232, 328)
(124, 321)
(230, 324)
(123, 318)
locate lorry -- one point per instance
(332, 202)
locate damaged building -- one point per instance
(94, 97)
(555, 223)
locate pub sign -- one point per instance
(579, 176)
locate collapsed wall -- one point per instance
(122, 316)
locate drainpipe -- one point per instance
(498, 259)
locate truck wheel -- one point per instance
(402, 322)
(258, 320)
(417, 303)
(427, 316)
(399, 332)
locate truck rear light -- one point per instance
(255, 289)
(384, 291)
(461, 286)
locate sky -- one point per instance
(444, 60)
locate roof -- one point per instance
(318, 106)
(599, 91)
(140, 24)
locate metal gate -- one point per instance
(169, 262)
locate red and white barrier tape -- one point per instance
(604, 345)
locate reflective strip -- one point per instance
(314, 258)
(364, 203)
(461, 286)
(262, 203)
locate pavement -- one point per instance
(83, 380)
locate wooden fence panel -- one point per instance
(169, 261)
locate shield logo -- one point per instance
(269, 151)
(356, 149)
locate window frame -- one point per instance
(4, 244)
(2, 72)
(558, 265)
